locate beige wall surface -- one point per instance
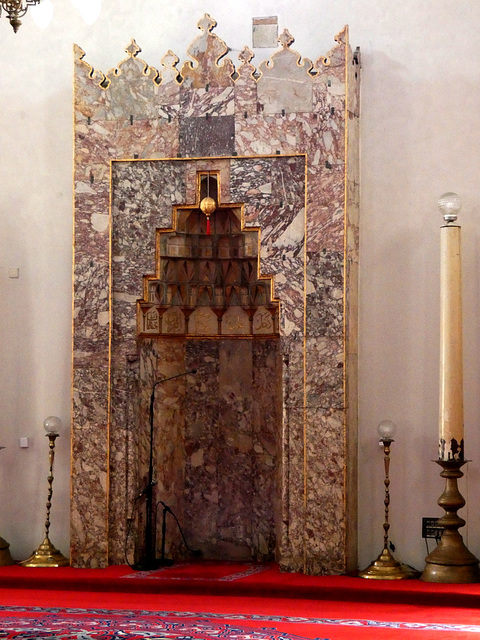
(420, 124)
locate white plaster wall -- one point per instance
(420, 129)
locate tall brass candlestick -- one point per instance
(451, 445)
(386, 567)
(46, 555)
(451, 561)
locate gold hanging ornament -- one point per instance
(208, 206)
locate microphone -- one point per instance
(178, 375)
(144, 491)
(150, 559)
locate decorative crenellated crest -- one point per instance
(131, 86)
(207, 50)
(87, 70)
(245, 57)
(132, 66)
(169, 72)
(285, 83)
(286, 56)
(335, 58)
(210, 68)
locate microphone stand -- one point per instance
(150, 561)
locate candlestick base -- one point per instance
(451, 561)
(46, 555)
(385, 567)
(5, 557)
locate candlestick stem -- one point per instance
(386, 567)
(46, 554)
(451, 445)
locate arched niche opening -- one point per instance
(216, 433)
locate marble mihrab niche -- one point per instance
(255, 453)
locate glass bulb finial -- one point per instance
(386, 429)
(449, 204)
(52, 425)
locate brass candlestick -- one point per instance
(385, 567)
(5, 557)
(451, 561)
(46, 554)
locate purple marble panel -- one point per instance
(201, 441)
(200, 103)
(245, 87)
(325, 298)
(267, 437)
(325, 524)
(88, 540)
(207, 136)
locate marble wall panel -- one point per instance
(285, 84)
(89, 516)
(90, 388)
(146, 139)
(201, 493)
(292, 549)
(91, 235)
(335, 59)
(90, 305)
(207, 136)
(325, 282)
(158, 359)
(325, 372)
(131, 87)
(90, 438)
(267, 135)
(326, 225)
(266, 434)
(119, 460)
(325, 490)
(235, 461)
(251, 182)
(89, 96)
(222, 166)
(292, 542)
(207, 102)
(246, 103)
(209, 66)
(169, 440)
(95, 144)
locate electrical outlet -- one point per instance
(430, 528)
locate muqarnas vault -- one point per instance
(256, 452)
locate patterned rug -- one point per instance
(207, 570)
(38, 623)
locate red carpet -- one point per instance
(232, 601)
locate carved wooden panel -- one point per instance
(208, 280)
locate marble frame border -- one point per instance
(212, 160)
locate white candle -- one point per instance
(451, 444)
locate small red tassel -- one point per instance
(208, 226)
